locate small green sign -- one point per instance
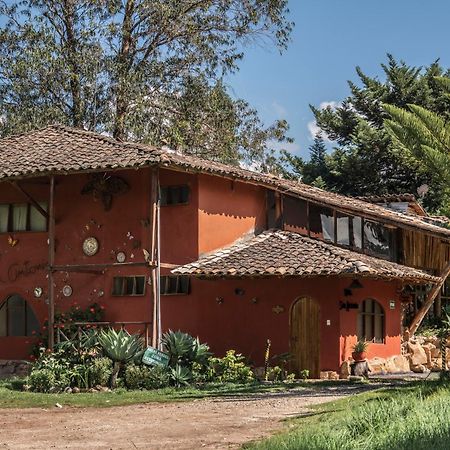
(155, 357)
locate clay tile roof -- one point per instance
(283, 253)
(388, 198)
(60, 149)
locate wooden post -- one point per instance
(51, 262)
(417, 320)
(155, 257)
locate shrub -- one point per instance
(52, 368)
(180, 376)
(184, 350)
(42, 380)
(275, 373)
(100, 370)
(121, 347)
(143, 377)
(231, 368)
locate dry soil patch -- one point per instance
(207, 423)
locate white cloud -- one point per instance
(313, 128)
(279, 110)
(332, 104)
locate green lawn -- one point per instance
(11, 397)
(413, 417)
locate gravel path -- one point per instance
(207, 423)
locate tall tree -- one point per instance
(132, 67)
(425, 135)
(364, 161)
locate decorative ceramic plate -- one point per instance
(120, 257)
(90, 246)
(67, 290)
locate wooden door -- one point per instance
(305, 336)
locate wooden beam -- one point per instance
(76, 267)
(417, 320)
(51, 261)
(30, 199)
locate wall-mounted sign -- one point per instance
(391, 304)
(155, 357)
(37, 292)
(19, 270)
(90, 246)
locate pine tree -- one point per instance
(364, 161)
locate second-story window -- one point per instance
(174, 195)
(22, 217)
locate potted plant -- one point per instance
(359, 350)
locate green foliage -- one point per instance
(99, 371)
(42, 380)
(231, 368)
(412, 418)
(120, 345)
(180, 375)
(143, 377)
(360, 346)
(425, 135)
(304, 374)
(132, 69)
(275, 373)
(184, 350)
(65, 320)
(364, 159)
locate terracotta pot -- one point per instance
(359, 356)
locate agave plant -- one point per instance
(180, 376)
(121, 347)
(184, 350)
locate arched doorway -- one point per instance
(305, 336)
(17, 317)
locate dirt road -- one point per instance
(207, 423)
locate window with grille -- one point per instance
(174, 195)
(371, 318)
(174, 285)
(17, 318)
(22, 217)
(128, 286)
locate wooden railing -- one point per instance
(80, 329)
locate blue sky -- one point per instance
(330, 39)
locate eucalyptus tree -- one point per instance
(147, 70)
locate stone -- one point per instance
(355, 378)
(332, 375)
(324, 375)
(345, 370)
(360, 369)
(75, 390)
(68, 390)
(435, 352)
(377, 365)
(397, 364)
(436, 365)
(417, 355)
(419, 368)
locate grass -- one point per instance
(415, 416)
(12, 397)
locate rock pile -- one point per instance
(11, 368)
(424, 353)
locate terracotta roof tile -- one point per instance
(281, 253)
(60, 149)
